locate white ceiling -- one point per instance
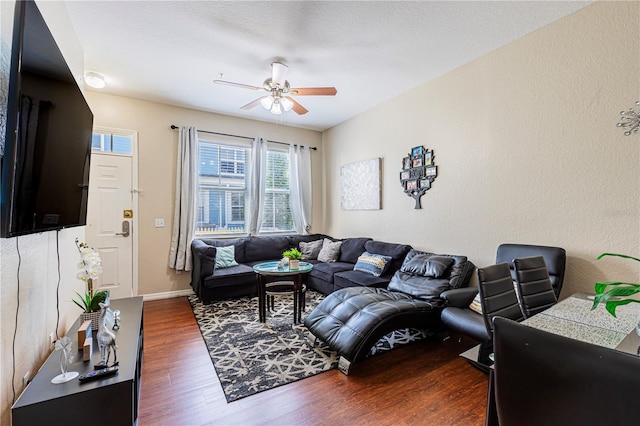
(371, 51)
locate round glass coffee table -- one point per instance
(273, 279)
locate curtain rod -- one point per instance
(174, 127)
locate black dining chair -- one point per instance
(458, 317)
(541, 378)
(535, 292)
(497, 295)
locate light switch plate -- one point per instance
(159, 223)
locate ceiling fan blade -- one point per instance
(232, 84)
(299, 109)
(253, 103)
(314, 91)
(279, 73)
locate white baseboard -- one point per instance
(167, 294)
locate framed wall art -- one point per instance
(360, 185)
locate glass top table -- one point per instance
(573, 318)
(273, 268)
(269, 279)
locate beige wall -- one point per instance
(157, 151)
(527, 149)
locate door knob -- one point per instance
(125, 229)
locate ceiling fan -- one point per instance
(279, 97)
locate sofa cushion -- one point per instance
(396, 251)
(427, 265)
(357, 278)
(330, 251)
(424, 288)
(371, 263)
(265, 248)
(459, 273)
(237, 242)
(352, 248)
(225, 257)
(311, 249)
(233, 275)
(295, 240)
(327, 271)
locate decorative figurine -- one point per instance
(116, 320)
(64, 345)
(106, 341)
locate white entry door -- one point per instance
(109, 214)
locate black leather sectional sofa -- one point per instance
(361, 307)
(217, 284)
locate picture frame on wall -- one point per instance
(405, 175)
(406, 163)
(431, 171)
(428, 158)
(412, 185)
(425, 184)
(416, 151)
(417, 162)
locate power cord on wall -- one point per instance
(15, 330)
(58, 285)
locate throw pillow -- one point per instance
(225, 257)
(374, 264)
(475, 305)
(311, 249)
(427, 265)
(330, 251)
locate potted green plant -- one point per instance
(615, 293)
(293, 257)
(90, 266)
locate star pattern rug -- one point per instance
(251, 357)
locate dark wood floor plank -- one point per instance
(422, 383)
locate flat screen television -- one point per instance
(45, 166)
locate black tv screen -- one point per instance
(45, 167)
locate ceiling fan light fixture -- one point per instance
(286, 104)
(275, 109)
(279, 72)
(267, 102)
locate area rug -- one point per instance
(251, 357)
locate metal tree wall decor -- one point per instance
(418, 173)
(630, 119)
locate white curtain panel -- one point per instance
(184, 217)
(257, 190)
(300, 175)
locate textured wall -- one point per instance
(31, 294)
(527, 149)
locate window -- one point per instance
(277, 208)
(109, 142)
(223, 188)
(223, 201)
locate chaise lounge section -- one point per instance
(351, 320)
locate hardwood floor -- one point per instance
(421, 383)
